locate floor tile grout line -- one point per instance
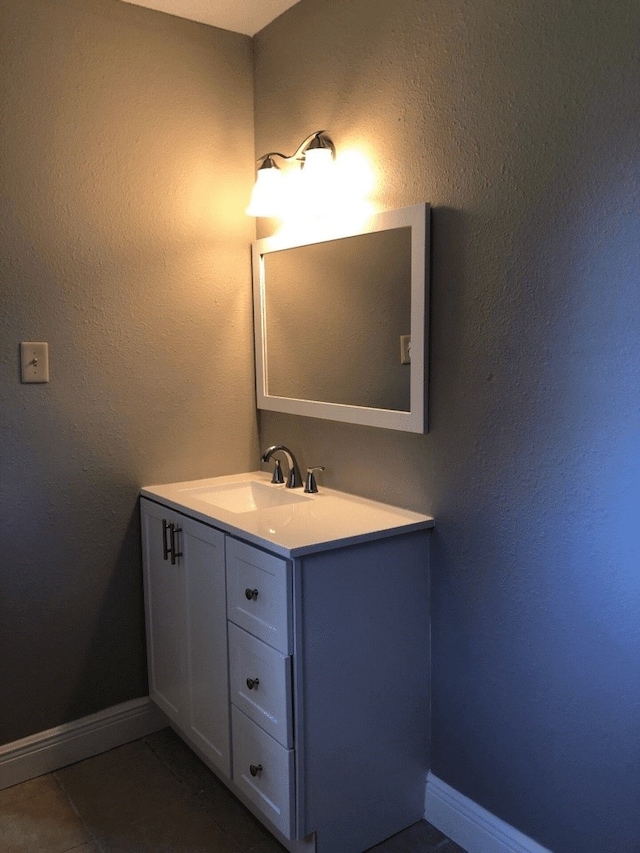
(73, 806)
(201, 804)
(90, 836)
(195, 795)
(80, 846)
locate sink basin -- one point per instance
(244, 496)
(285, 521)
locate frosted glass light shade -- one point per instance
(318, 162)
(266, 196)
(316, 181)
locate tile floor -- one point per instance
(150, 796)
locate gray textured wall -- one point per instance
(126, 157)
(519, 122)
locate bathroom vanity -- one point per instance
(288, 644)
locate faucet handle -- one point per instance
(310, 486)
(278, 477)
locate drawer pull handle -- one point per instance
(254, 769)
(173, 538)
(251, 594)
(252, 682)
(166, 548)
(170, 542)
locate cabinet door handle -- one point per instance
(251, 594)
(166, 548)
(173, 533)
(254, 769)
(252, 682)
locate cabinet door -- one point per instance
(164, 610)
(207, 723)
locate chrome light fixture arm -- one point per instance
(317, 139)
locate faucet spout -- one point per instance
(293, 479)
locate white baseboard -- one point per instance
(469, 825)
(55, 748)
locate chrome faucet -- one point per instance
(293, 478)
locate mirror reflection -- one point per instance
(344, 345)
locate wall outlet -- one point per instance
(34, 361)
(405, 349)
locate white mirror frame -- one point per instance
(415, 420)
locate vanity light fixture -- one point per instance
(315, 154)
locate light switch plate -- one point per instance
(34, 361)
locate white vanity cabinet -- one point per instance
(300, 674)
(185, 609)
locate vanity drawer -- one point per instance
(260, 684)
(259, 594)
(271, 789)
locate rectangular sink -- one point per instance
(245, 496)
(286, 521)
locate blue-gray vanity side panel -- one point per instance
(362, 664)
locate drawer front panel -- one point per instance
(263, 770)
(260, 684)
(259, 594)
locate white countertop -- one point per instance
(315, 522)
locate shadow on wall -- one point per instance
(535, 586)
(113, 667)
(71, 607)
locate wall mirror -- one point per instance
(332, 316)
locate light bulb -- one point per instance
(266, 196)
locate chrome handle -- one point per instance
(310, 486)
(251, 594)
(173, 532)
(254, 769)
(166, 549)
(252, 682)
(278, 477)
